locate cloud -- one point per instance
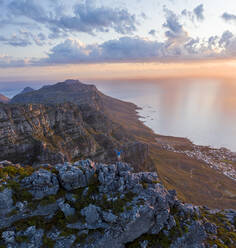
(195, 14)
(178, 45)
(133, 49)
(29, 9)
(152, 32)
(86, 17)
(198, 11)
(8, 61)
(125, 49)
(23, 39)
(176, 36)
(229, 17)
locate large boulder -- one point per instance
(91, 214)
(74, 177)
(6, 201)
(41, 183)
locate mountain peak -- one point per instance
(26, 90)
(71, 81)
(68, 91)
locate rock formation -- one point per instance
(66, 122)
(89, 204)
(37, 133)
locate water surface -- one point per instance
(202, 110)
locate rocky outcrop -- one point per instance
(41, 184)
(89, 204)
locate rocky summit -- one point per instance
(87, 204)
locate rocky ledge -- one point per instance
(96, 205)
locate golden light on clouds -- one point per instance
(213, 68)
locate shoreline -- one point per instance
(220, 159)
(195, 180)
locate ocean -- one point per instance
(202, 110)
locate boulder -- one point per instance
(41, 183)
(91, 214)
(66, 208)
(8, 237)
(74, 177)
(6, 201)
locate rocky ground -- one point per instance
(88, 204)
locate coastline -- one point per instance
(195, 180)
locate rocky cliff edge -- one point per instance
(88, 204)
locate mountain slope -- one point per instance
(4, 99)
(26, 90)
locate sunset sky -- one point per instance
(56, 39)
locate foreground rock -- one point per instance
(96, 205)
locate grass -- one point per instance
(223, 232)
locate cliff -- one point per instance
(95, 205)
(53, 133)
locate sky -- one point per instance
(56, 39)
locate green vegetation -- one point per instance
(47, 242)
(48, 200)
(225, 234)
(22, 239)
(11, 174)
(13, 171)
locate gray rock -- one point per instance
(194, 238)
(21, 206)
(161, 220)
(65, 242)
(8, 237)
(91, 214)
(66, 208)
(210, 228)
(149, 177)
(70, 197)
(109, 217)
(74, 177)
(41, 183)
(6, 201)
(135, 209)
(36, 238)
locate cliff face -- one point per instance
(67, 121)
(44, 133)
(96, 205)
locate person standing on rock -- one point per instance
(118, 154)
